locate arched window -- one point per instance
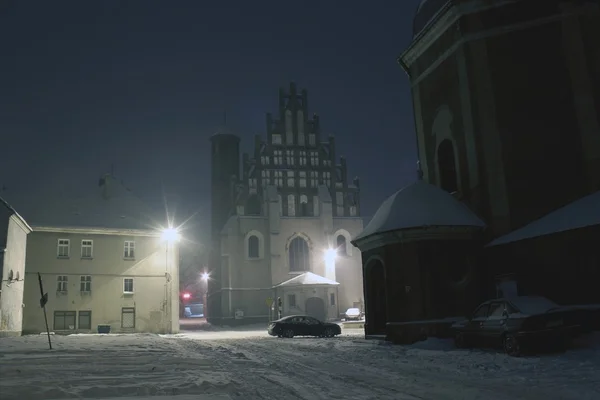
(341, 245)
(291, 205)
(447, 166)
(253, 206)
(299, 255)
(303, 205)
(253, 247)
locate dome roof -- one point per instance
(420, 205)
(426, 12)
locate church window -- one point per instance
(289, 157)
(314, 178)
(291, 205)
(327, 178)
(302, 179)
(447, 166)
(253, 247)
(289, 133)
(303, 205)
(278, 157)
(253, 205)
(265, 177)
(314, 158)
(278, 178)
(276, 139)
(341, 245)
(264, 160)
(300, 118)
(291, 179)
(299, 255)
(303, 157)
(312, 139)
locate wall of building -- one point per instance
(107, 268)
(11, 300)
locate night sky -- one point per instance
(143, 85)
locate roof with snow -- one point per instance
(13, 212)
(107, 204)
(581, 213)
(420, 205)
(307, 279)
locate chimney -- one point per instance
(104, 184)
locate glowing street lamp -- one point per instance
(329, 258)
(170, 235)
(205, 276)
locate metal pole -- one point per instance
(43, 301)
(167, 308)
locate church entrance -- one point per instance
(315, 307)
(376, 302)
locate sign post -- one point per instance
(269, 302)
(43, 301)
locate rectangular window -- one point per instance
(278, 178)
(278, 157)
(276, 139)
(289, 157)
(63, 248)
(312, 139)
(327, 178)
(85, 284)
(264, 160)
(314, 178)
(265, 177)
(129, 251)
(291, 180)
(302, 157)
(85, 320)
(332, 299)
(291, 300)
(128, 285)
(314, 158)
(62, 282)
(86, 248)
(64, 320)
(302, 179)
(128, 317)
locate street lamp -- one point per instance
(169, 236)
(205, 276)
(329, 258)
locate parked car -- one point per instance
(302, 325)
(353, 314)
(517, 322)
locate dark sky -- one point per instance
(143, 84)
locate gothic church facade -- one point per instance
(282, 226)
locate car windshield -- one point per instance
(353, 311)
(533, 305)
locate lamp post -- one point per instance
(169, 236)
(205, 277)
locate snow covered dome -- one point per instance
(420, 205)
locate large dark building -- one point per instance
(506, 99)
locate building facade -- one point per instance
(506, 100)
(13, 245)
(102, 260)
(280, 217)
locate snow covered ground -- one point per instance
(247, 364)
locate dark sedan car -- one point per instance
(302, 325)
(517, 322)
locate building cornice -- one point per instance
(21, 222)
(97, 231)
(416, 235)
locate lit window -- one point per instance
(302, 157)
(278, 157)
(289, 157)
(327, 178)
(278, 178)
(291, 179)
(265, 177)
(302, 179)
(264, 160)
(314, 178)
(314, 158)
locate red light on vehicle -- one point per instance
(187, 295)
